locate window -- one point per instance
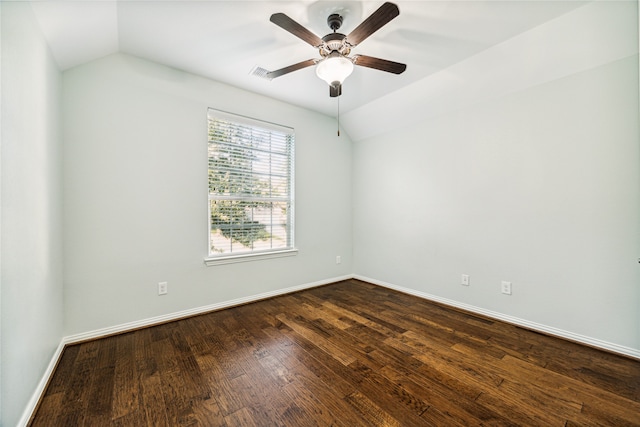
(250, 188)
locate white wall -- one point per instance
(135, 202)
(540, 187)
(31, 279)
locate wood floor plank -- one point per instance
(242, 417)
(100, 396)
(75, 404)
(304, 361)
(221, 389)
(332, 398)
(381, 327)
(125, 386)
(223, 348)
(523, 391)
(606, 376)
(517, 415)
(144, 357)
(173, 384)
(207, 413)
(154, 403)
(579, 392)
(313, 406)
(263, 398)
(448, 361)
(347, 354)
(49, 408)
(320, 341)
(64, 370)
(396, 401)
(371, 412)
(465, 412)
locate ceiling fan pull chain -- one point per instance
(338, 115)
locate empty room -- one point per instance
(314, 213)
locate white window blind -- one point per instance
(250, 186)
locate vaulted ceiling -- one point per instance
(225, 40)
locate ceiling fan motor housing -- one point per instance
(334, 42)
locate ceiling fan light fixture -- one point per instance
(334, 68)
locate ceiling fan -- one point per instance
(335, 64)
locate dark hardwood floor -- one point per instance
(347, 354)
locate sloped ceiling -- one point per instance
(225, 40)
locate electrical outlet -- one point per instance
(338, 259)
(464, 280)
(506, 288)
(163, 288)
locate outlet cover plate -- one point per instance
(162, 288)
(506, 287)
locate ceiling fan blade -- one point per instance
(379, 64)
(290, 68)
(288, 24)
(373, 23)
(335, 90)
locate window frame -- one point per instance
(254, 254)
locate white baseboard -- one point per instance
(39, 391)
(125, 327)
(582, 339)
(593, 342)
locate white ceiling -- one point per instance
(225, 40)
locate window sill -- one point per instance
(233, 259)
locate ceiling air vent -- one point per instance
(260, 72)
